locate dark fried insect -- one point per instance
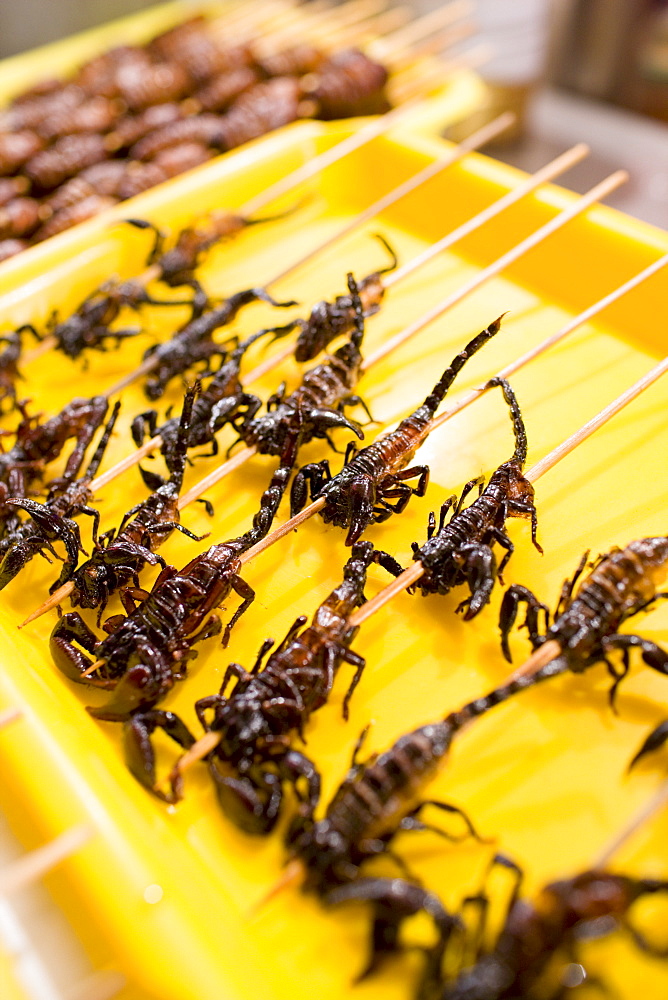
(329, 320)
(223, 401)
(53, 521)
(119, 556)
(38, 444)
(258, 717)
(17, 148)
(194, 342)
(461, 551)
(361, 493)
(524, 960)
(220, 93)
(348, 84)
(88, 327)
(19, 217)
(146, 653)
(620, 585)
(97, 114)
(9, 363)
(317, 403)
(65, 218)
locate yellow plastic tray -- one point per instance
(544, 774)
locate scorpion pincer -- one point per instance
(361, 493)
(53, 521)
(256, 720)
(118, 557)
(317, 403)
(522, 961)
(621, 584)
(146, 653)
(461, 551)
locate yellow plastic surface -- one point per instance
(544, 774)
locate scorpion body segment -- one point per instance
(317, 403)
(257, 719)
(361, 493)
(118, 557)
(621, 584)
(194, 342)
(145, 653)
(461, 551)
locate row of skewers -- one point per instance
(136, 116)
(144, 653)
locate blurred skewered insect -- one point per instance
(53, 521)
(37, 444)
(9, 363)
(523, 961)
(252, 758)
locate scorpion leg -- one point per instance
(654, 741)
(70, 629)
(246, 592)
(355, 400)
(479, 481)
(509, 606)
(646, 886)
(236, 671)
(291, 633)
(139, 752)
(264, 649)
(394, 900)
(144, 425)
(445, 507)
(653, 655)
(569, 585)
(324, 420)
(252, 805)
(315, 475)
(412, 821)
(359, 663)
(422, 472)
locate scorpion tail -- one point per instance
(520, 455)
(394, 262)
(178, 463)
(654, 741)
(94, 464)
(437, 394)
(357, 335)
(457, 720)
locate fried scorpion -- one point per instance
(461, 551)
(146, 653)
(621, 584)
(361, 492)
(257, 718)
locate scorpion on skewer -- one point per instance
(361, 493)
(621, 584)
(461, 551)
(223, 401)
(521, 962)
(53, 521)
(256, 719)
(194, 342)
(118, 557)
(146, 653)
(317, 403)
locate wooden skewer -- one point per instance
(103, 985)
(411, 575)
(33, 866)
(645, 813)
(437, 43)
(548, 172)
(542, 656)
(421, 27)
(246, 453)
(310, 168)
(10, 715)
